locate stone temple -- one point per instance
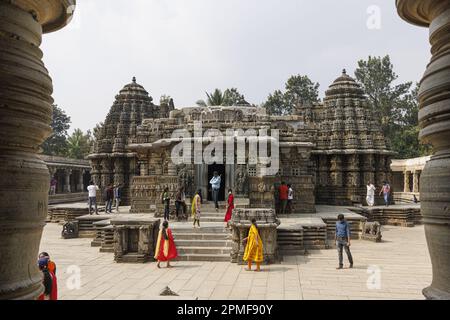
(328, 151)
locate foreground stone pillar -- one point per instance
(25, 115)
(434, 115)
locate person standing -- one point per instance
(215, 185)
(342, 238)
(166, 202)
(109, 197)
(370, 194)
(49, 281)
(53, 184)
(290, 198)
(230, 207)
(180, 202)
(165, 246)
(254, 247)
(195, 208)
(283, 191)
(92, 189)
(117, 195)
(386, 191)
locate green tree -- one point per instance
(389, 102)
(405, 139)
(299, 91)
(230, 97)
(56, 143)
(78, 144)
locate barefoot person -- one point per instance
(254, 248)
(195, 208)
(230, 207)
(165, 246)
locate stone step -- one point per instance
(204, 257)
(202, 230)
(204, 250)
(225, 243)
(202, 236)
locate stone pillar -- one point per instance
(25, 116)
(67, 187)
(81, 180)
(415, 181)
(406, 188)
(434, 114)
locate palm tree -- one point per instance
(78, 145)
(216, 98)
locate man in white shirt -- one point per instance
(215, 184)
(370, 194)
(92, 189)
(290, 198)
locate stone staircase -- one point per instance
(212, 242)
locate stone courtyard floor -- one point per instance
(401, 263)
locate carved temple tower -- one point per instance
(351, 149)
(111, 162)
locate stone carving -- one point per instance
(372, 231)
(70, 230)
(241, 180)
(134, 238)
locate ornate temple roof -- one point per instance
(344, 87)
(131, 106)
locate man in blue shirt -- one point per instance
(215, 184)
(343, 240)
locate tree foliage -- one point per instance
(79, 144)
(56, 143)
(299, 91)
(229, 97)
(395, 105)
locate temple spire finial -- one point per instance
(344, 71)
(134, 79)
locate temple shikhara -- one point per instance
(328, 152)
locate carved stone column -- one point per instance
(80, 180)
(406, 181)
(25, 116)
(415, 181)
(434, 115)
(67, 187)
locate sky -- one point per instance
(183, 48)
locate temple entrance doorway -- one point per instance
(220, 168)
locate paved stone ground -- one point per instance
(402, 259)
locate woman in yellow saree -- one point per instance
(254, 248)
(195, 208)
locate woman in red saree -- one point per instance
(165, 246)
(230, 207)
(49, 281)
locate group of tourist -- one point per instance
(285, 197)
(112, 195)
(385, 191)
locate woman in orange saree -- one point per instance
(165, 246)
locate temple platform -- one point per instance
(403, 215)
